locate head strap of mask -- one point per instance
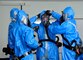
(28, 22)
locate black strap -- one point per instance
(66, 40)
(70, 44)
(70, 48)
(46, 28)
(55, 42)
(24, 55)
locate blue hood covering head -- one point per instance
(20, 15)
(69, 11)
(13, 13)
(43, 12)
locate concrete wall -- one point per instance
(33, 8)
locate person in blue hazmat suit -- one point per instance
(67, 28)
(13, 16)
(24, 38)
(49, 50)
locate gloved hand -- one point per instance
(79, 50)
(48, 12)
(38, 15)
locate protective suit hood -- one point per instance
(22, 17)
(69, 11)
(43, 12)
(13, 13)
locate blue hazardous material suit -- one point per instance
(24, 38)
(49, 50)
(68, 29)
(13, 14)
(80, 57)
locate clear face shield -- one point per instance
(25, 20)
(45, 19)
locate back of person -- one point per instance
(20, 45)
(13, 16)
(71, 31)
(24, 38)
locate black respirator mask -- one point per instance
(45, 19)
(63, 17)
